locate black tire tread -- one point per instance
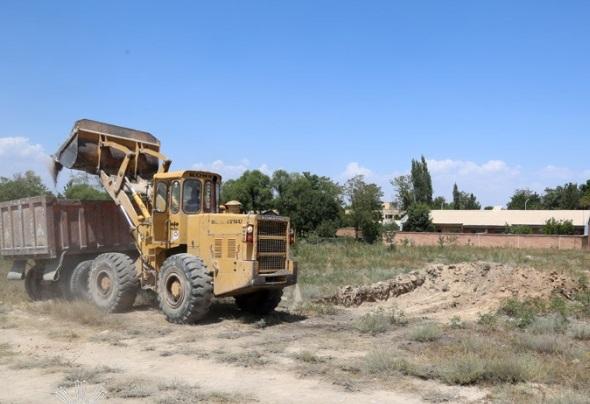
(76, 279)
(261, 302)
(201, 288)
(126, 278)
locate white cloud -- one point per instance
(558, 173)
(19, 154)
(466, 168)
(230, 171)
(353, 169)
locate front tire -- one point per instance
(261, 302)
(184, 289)
(113, 282)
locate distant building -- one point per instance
(390, 211)
(496, 221)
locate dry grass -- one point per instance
(94, 375)
(581, 332)
(179, 393)
(425, 333)
(47, 364)
(332, 264)
(80, 312)
(380, 321)
(247, 359)
(308, 357)
(11, 292)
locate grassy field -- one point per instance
(332, 264)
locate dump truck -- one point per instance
(52, 242)
(186, 249)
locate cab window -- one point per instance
(191, 196)
(161, 196)
(175, 197)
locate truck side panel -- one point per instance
(24, 227)
(44, 227)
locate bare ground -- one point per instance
(318, 354)
(284, 358)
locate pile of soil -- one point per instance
(356, 295)
(465, 290)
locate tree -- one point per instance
(562, 197)
(441, 203)
(419, 218)
(521, 196)
(421, 181)
(404, 191)
(312, 202)
(463, 200)
(365, 207)
(456, 197)
(553, 226)
(84, 187)
(22, 186)
(252, 189)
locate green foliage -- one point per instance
(22, 186)
(83, 187)
(252, 189)
(565, 196)
(553, 226)
(312, 202)
(464, 200)
(524, 312)
(441, 203)
(365, 207)
(414, 188)
(519, 229)
(520, 198)
(404, 191)
(419, 218)
(421, 181)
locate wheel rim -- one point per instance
(104, 283)
(174, 291)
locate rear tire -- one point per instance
(38, 289)
(78, 282)
(184, 289)
(260, 302)
(113, 282)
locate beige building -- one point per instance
(390, 211)
(495, 221)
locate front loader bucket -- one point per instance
(82, 151)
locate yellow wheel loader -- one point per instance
(187, 251)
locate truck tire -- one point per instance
(78, 282)
(38, 289)
(260, 302)
(113, 282)
(184, 289)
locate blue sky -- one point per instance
(496, 94)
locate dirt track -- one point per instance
(231, 359)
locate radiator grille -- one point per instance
(231, 248)
(268, 227)
(271, 244)
(218, 248)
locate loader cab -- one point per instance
(178, 194)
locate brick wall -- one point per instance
(491, 240)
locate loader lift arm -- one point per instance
(120, 157)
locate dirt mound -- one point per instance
(356, 295)
(464, 290)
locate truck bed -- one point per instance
(44, 227)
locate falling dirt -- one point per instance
(465, 290)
